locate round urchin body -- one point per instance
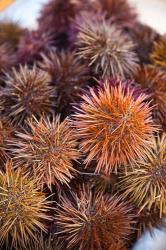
(68, 76)
(158, 55)
(114, 128)
(93, 222)
(7, 59)
(119, 11)
(145, 185)
(32, 44)
(22, 207)
(49, 150)
(153, 81)
(27, 93)
(106, 48)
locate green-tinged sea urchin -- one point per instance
(10, 33)
(113, 126)
(146, 183)
(158, 55)
(22, 207)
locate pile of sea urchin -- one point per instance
(82, 128)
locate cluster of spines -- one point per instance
(82, 105)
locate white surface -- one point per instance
(23, 11)
(153, 13)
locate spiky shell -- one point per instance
(113, 127)
(27, 93)
(106, 48)
(22, 207)
(158, 55)
(32, 44)
(68, 76)
(49, 150)
(145, 185)
(153, 81)
(119, 11)
(93, 222)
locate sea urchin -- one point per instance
(106, 48)
(146, 184)
(27, 93)
(113, 126)
(49, 150)
(93, 222)
(22, 207)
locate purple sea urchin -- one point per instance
(32, 44)
(119, 11)
(68, 76)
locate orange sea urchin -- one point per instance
(114, 127)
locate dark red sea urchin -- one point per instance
(68, 76)
(57, 15)
(143, 37)
(153, 82)
(93, 222)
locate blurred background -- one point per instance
(151, 12)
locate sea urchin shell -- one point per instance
(113, 127)
(48, 149)
(93, 222)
